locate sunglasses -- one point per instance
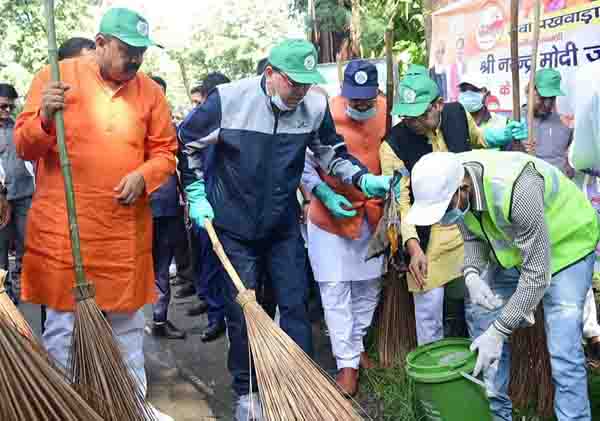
(8, 107)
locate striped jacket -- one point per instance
(251, 155)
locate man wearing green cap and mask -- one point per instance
(551, 137)
(436, 253)
(249, 138)
(122, 147)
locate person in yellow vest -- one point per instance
(436, 253)
(538, 232)
(341, 220)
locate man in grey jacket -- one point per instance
(20, 186)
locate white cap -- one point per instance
(434, 179)
(474, 79)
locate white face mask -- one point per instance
(278, 102)
(357, 115)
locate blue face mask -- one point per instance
(357, 115)
(454, 216)
(472, 101)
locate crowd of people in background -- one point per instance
(293, 182)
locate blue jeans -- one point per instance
(281, 257)
(563, 312)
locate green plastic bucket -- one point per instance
(443, 392)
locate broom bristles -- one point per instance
(10, 310)
(98, 371)
(292, 386)
(31, 387)
(530, 360)
(396, 324)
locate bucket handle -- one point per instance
(479, 383)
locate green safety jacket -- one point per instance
(572, 222)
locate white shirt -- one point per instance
(585, 149)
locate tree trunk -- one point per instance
(427, 11)
(355, 33)
(184, 78)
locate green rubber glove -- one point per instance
(498, 137)
(519, 130)
(375, 185)
(333, 201)
(199, 207)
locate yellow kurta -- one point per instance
(445, 252)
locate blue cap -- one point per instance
(360, 80)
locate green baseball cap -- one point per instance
(128, 26)
(415, 93)
(297, 58)
(416, 69)
(547, 83)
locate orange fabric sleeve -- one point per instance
(31, 140)
(161, 145)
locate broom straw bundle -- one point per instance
(292, 386)
(396, 327)
(97, 368)
(9, 311)
(30, 386)
(531, 384)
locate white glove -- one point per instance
(489, 347)
(480, 292)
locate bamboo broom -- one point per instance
(9, 310)
(31, 387)
(292, 386)
(97, 368)
(529, 350)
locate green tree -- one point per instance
(23, 28)
(375, 16)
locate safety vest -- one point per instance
(571, 220)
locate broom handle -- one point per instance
(514, 58)
(220, 252)
(534, 60)
(65, 165)
(389, 40)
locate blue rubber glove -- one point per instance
(519, 130)
(199, 207)
(498, 137)
(375, 185)
(333, 201)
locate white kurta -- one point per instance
(338, 259)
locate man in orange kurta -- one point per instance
(122, 145)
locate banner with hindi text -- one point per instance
(473, 36)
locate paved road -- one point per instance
(189, 379)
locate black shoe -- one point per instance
(186, 291)
(198, 309)
(167, 330)
(213, 332)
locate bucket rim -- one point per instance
(440, 373)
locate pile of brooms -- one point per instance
(99, 385)
(31, 386)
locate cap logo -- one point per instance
(310, 62)
(142, 28)
(409, 96)
(361, 77)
